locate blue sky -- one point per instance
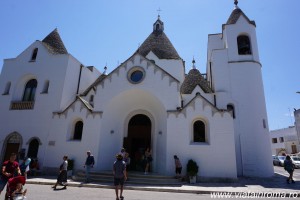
(100, 32)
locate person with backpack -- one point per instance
(289, 167)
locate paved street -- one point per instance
(40, 188)
(280, 170)
(44, 192)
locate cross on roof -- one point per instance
(236, 2)
(159, 10)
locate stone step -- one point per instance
(133, 178)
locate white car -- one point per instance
(278, 160)
(296, 161)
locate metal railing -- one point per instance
(22, 105)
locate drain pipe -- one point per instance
(80, 70)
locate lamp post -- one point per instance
(296, 124)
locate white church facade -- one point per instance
(52, 105)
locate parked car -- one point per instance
(296, 161)
(278, 160)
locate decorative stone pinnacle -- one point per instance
(194, 67)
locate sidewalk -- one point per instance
(244, 185)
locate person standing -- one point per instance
(119, 172)
(178, 167)
(62, 177)
(24, 167)
(148, 159)
(289, 167)
(9, 168)
(89, 163)
(126, 159)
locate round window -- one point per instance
(136, 75)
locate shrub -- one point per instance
(192, 168)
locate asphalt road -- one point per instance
(280, 170)
(45, 192)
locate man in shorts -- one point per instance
(9, 168)
(119, 172)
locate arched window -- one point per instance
(244, 46)
(199, 131)
(157, 27)
(34, 54)
(78, 130)
(30, 89)
(230, 108)
(7, 88)
(33, 148)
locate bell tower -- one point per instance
(234, 70)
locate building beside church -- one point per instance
(52, 105)
(284, 141)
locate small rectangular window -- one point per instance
(264, 123)
(274, 140)
(281, 140)
(34, 54)
(7, 88)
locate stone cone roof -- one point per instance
(54, 43)
(160, 45)
(193, 79)
(235, 15)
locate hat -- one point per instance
(119, 156)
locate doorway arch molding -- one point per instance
(137, 112)
(12, 136)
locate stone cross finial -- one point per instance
(158, 11)
(236, 2)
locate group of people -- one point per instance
(9, 171)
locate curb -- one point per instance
(128, 187)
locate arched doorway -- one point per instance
(137, 140)
(13, 144)
(33, 148)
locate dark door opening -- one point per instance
(33, 148)
(11, 148)
(138, 139)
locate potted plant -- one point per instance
(192, 170)
(70, 167)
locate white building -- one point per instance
(284, 141)
(52, 105)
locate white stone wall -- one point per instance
(216, 158)
(237, 80)
(289, 136)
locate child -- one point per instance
(178, 167)
(19, 192)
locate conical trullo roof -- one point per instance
(235, 15)
(158, 43)
(54, 43)
(193, 79)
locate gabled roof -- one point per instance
(102, 77)
(96, 82)
(193, 79)
(54, 43)
(235, 15)
(85, 103)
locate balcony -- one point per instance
(22, 105)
